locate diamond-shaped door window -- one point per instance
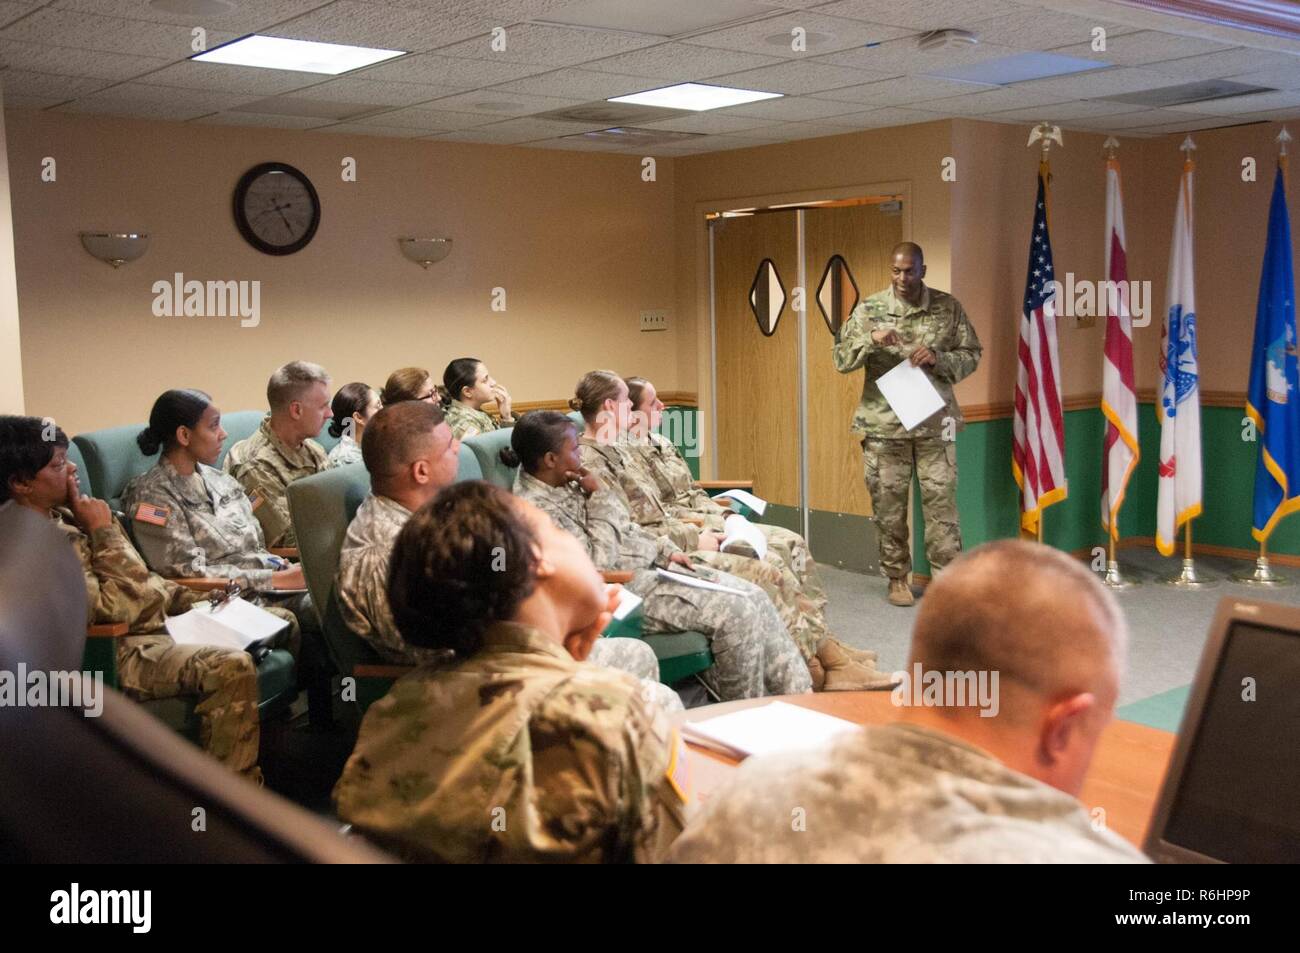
(837, 295)
(767, 297)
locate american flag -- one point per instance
(1118, 393)
(1038, 429)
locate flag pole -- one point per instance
(1113, 578)
(1189, 578)
(1263, 575)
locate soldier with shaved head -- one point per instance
(957, 777)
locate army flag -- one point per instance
(1038, 427)
(1118, 393)
(1179, 407)
(1273, 400)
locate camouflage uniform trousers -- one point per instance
(802, 617)
(153, 666)
(792, 550)
(888, 466)
(753, 654)
(636, 658)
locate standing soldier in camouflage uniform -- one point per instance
(754, 651)
(35, 472)
(466, 387)
(514, 750)
(909, 322)
(941, 783)
(282, 450)
(412, 456)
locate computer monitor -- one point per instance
(1232, 791)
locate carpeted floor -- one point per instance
(1167, 626)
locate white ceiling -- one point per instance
(126, 58)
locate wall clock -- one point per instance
(276, 208)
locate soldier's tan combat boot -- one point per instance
(900, 593)
(818, 673)
(865, 656)
(845, 675)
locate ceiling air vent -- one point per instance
(1198, 92)
(945, 40)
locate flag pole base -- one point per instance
(1190, 579)
(1262, 575)
(1114, 579)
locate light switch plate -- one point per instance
(654, 320)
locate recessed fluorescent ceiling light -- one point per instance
(1017, 69)
(696, 97)
(304, 56)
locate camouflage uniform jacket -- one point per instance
(939, 323)
(516, 754)
(184, 531)
(465, 421)
(672, 475)
(623, 473)
(344, 452)
(264, 464)
(119, 586)
(894, 794)
(613, 541)
(363, 580)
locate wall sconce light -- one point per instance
(116, 248)
(425, 251)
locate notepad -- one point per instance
(745, 498)
(910, 393)
(237, 625)
(766, 729)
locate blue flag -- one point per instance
(1273, 400)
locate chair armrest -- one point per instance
(725, 484)
(201, 583)
(285, 552)
(381, 671)
(620, 576)
(107, 630)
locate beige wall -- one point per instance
(579, 242)
(11, 365)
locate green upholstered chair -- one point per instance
(75, 457)
(681, 654)
(322, 506)
(112, 458)
(468, 468)
(238, 425)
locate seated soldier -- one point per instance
(514, 749)
(189, 519)
(35, 473)
(466, 387)
(282, 449)
(353, 406)
(944, 783)
(658, 466)
(411, 455)
(409, 383)
(753, 652)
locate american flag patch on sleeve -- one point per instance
(152, 513)
(255, 500)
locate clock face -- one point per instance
(276, 208)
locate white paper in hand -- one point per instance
(740, 531)
(755, 503)
(910, 393)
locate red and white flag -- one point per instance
(1038, 429)
(1118, 393)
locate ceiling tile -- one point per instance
(512, 131)
(448, 71)
(430, 120)
(1196, 123)
(1226, 63)
(245, 18)
(1134, 120)
(793, 109)
(353, 89)
(1138, 49)
(221, 77)
(154, 102)
(580, 84)
(902, 90)
(710, 123)
(895, 57)
(55, 27)
(922, 15)
(1277, 77)
(10, 11)
(499, 103)
(65, 61)
(990, 101)
(1113, 81)
(798, 78)
(1253, 103)
(45, 86)
(775, 37)
(1060, 112)
(263, 120)
(548, 45)
(681, 62)
(361, 129)
(384, 26)
(1044, 29)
